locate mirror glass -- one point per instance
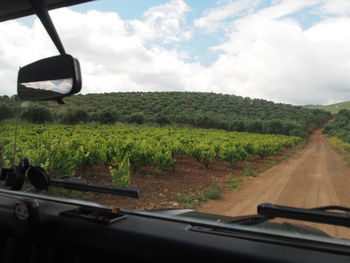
(45, 89)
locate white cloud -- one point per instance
(268, 56)
(336, 7)
(165, 23)
(113, 56)
(19, 45)
(223, 16)
(213, 19)
(263, 54)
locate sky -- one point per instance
(289, 51)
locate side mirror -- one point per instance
(49, 79)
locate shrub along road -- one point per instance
(316, 176)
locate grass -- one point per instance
(249, 172)
(213, 191)
(342, 148)
(233, 182)
(193, 200)
(187, 201)
(269, 165)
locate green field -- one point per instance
(61, 149)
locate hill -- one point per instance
(332, 108)
(205, 110)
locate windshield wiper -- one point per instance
(15, 177)
(268, 211)
(74, 183)
(317, 215)
(247, 220)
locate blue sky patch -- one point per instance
(307, 17)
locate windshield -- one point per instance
(215, 106)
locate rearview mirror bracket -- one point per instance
(41, 11)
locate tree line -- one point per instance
(204, 110)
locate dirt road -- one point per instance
(316, 176)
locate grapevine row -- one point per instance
(62, 149)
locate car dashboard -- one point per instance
(37, 228)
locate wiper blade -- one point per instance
(317, 215)
(248, 220)
(70, 183)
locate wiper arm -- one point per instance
(317, 215)
(248, 220)
(76, 184)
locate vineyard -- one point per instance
(62, 149)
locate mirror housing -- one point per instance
(49, 79)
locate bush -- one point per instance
(37, 114)
(162, 120)
(255, 127)
(107, 117)
(298, 132)
(5, 112)
(68, 117)
(274, 127)
(137, 118)
(288, 126)
(81, 115)
(95, 116)
(204, 121)
(73, 116)
(238, 126)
